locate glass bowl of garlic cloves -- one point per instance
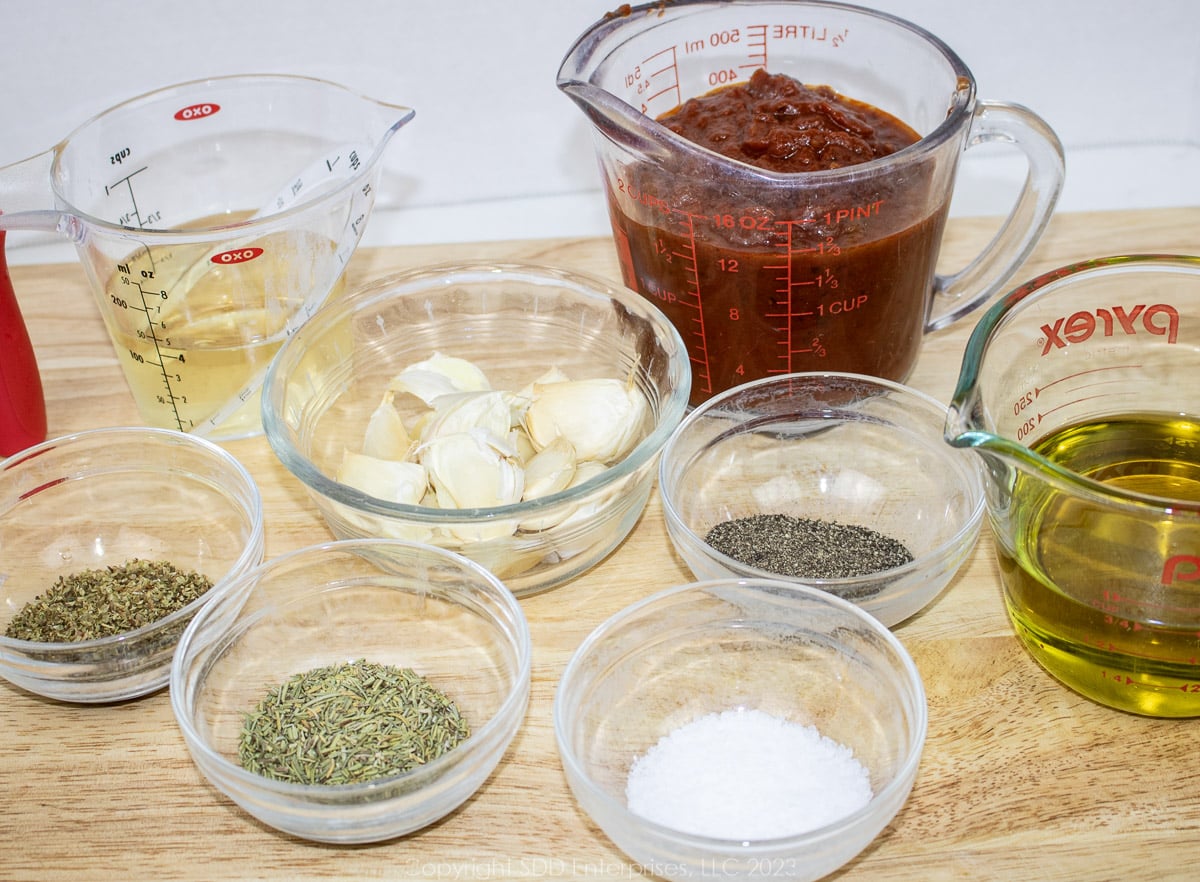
(512, 413)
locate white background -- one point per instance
(497, 152)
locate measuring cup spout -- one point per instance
(966, 423)
(616, 120)
(621, 124)
(395, 116)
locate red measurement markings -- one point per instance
(1091, 383)
(694, 300)
(663, 78)
(789, 308)
(756, 55)
(1128, 681)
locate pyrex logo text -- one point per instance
(1181, 568)
(1160, 319)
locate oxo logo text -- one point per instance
(1160, 319)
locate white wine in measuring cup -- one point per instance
(192, 346)
(213, 218)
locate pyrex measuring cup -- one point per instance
(771, 273)
(1078, 389)
(212, 219)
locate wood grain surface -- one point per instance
(1020, 780)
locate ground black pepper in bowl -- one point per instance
(807, 548)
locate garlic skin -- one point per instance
(601, 418)
(440, 375)
(468, 470)
(460, 412)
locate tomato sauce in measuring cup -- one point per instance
(786, 228)
(772, 285)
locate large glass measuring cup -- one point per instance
(1078, 389)
(769, 273)
(212, 218)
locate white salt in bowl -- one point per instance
(829, 448)
(724, 657)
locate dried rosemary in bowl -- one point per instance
(349, 723)
(96, 603)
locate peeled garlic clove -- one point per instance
(402, 482)
(549, 470)
(585, 471)
(380, 527)
(440, 375)
(468, 471)
(386, 437)
(587, 509)
(475, 540)
(519, 439)
(601, 418)
(566, 514)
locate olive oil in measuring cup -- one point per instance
(187, 342)
(1093, 594)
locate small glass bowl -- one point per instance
(102, 498)
(383, 600)
(515, 322)
(846, 448)
(793, 652)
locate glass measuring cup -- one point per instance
(1078, 391)
(769, 273)
(212, 218)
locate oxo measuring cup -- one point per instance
(212, 218)
(1078, 390)
(768, 272)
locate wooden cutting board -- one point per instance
(1020, 780)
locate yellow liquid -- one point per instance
(194, 337)
(1085, 584)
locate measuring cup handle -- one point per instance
(22, 405)
(999, 122)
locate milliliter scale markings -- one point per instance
(756, 57)
(661, 79)
(169, 397)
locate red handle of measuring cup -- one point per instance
(22, 405)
